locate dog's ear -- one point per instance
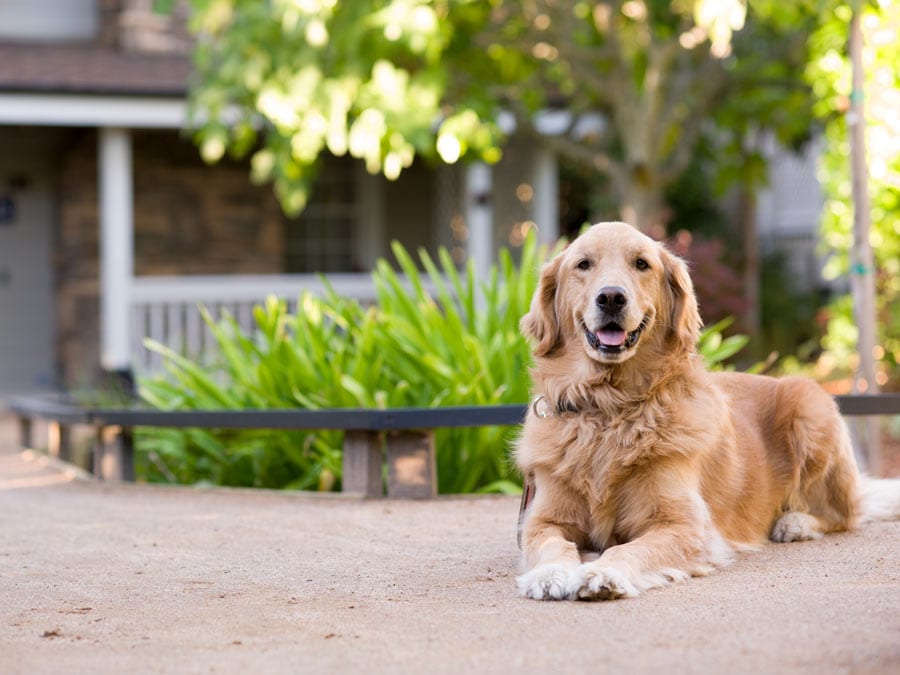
(541, 322)
(684, 315)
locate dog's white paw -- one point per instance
(796, 526)
(549, 581)
(596, 582)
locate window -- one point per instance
(48, 19)
(321, 238)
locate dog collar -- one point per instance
(542, 408)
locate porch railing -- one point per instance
(166, 308)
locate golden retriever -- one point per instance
(636, 452)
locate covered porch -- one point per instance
(472, 209)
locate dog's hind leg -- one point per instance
(824, 494)
(826, 503)
(797, 526)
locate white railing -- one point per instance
(165, 309)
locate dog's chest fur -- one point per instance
(598, 458)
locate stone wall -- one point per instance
(189, 219)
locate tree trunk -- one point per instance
(862, 266)
(643, 205)
(746, 214)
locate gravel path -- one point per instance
(112, 578)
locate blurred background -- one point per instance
(140, 143)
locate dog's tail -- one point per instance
(879, 499)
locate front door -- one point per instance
(27, 325)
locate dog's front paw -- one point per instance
(596, 582)
(545, 582)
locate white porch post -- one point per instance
(546, 195)
(116, 211)
(370, 240)
(479, 215)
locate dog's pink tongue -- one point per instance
(611, 338)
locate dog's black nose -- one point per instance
(612, 299)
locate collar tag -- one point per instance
(541, 407)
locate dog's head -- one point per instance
(610, 292)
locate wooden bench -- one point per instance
(403, 438)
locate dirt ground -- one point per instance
(112, 578)
(890, 456)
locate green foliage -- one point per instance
(286, 81)
(829, 73)
(458, 344)
(715, 348)
(386, 80)
(788, 315)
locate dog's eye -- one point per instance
(584, 264)
(642, 264)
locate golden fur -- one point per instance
(639, 454)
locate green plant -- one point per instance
(788, 314)
(459, 345)
(386, 81)
(830, 74)
(715, 348)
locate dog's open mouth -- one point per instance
(611, 338)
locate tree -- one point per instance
(638, 81)
(386, 80)
(378, 79)
(830, 73)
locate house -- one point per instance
(113, 229)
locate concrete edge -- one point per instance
(44, 460)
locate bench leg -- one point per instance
(26, 433)
(412, 469)
(362, 464)
(59, 441)
(114, 453)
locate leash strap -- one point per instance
(528, 491)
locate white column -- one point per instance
(370, 242)
(546, 195)
(116, 211)
(479, 216)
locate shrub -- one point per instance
(459, 345)
(717, 281)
